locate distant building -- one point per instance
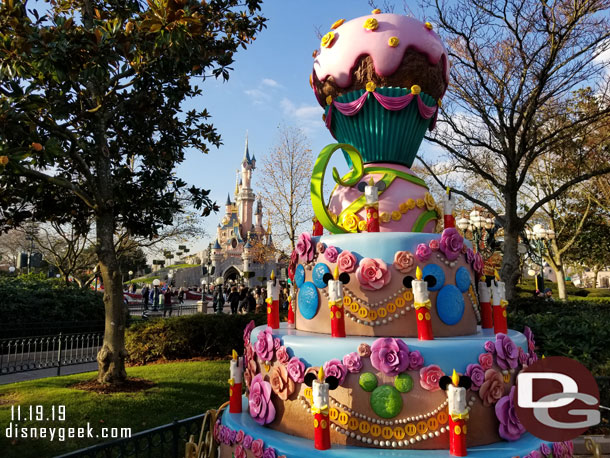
(243, 247)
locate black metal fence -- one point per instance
(48, 328)
(32, 353)
(167, 441)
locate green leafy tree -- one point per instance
(91, 124)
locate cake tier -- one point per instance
(297, 447)
(388, 394)
(387, 311)
(404, 206)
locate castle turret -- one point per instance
(228, 205)
(247, 260)
(259, 214)
(216, 258)
(246, 195)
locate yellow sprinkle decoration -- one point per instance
(370, 86)
(393, 42)
(415, 89)
(428, 25)
(329, 100)
(328, 39)
(371, 24)
(376, 11)
(362, 226)
(336, 24)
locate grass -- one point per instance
(527, 287)
(181, 390)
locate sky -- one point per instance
(268, 87)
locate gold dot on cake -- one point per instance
(376, 11)
(415, 89)
(428, 25)
(329, 100)
(370, 86)
(336, 24)
(393, 42)
(371, 24)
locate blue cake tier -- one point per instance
(297, 447)
(447, 352)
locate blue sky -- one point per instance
(269, 86)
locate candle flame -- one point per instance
(371, 182)
(496, 275)
(455, 378)
(321, 374)
(235, 355)
(272, 275)
(418, 273)
(336, 272)
(483, 278)
(448, 191)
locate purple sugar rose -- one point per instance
(511, 428)
(478, 264)
(353, 362)
(247, 441)
(296, 369)
(247, 331)
(506, 352)
(390, 356)
(265, 345)
(416, 360)
(490, 346)
(335, 368)
(545, 449)
(257, 448)
(560, 450)
(305, 247)
(331, 254)
(261, 409)
(532, 358)
(451, 243)
(269, 452)
(226, 436)
(469, 256)
(476, 374)
(531, 344)
(423, 252)
(533, 454)
(277, 343)
(522, 357)
(282, 355)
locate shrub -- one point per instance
(187, 337)
(600, 293)
(32, 299)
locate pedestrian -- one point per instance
(219, 299)
(167, 301)
(251, 302)
(154, 298)
(548, 295)
(145, 298)
(243, 299)
(233, 299)
(181, 295)
(284, 299)
(260, 302)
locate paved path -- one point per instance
(43, 373)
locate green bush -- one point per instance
(187, 337)
(600, 293)
(30, 299)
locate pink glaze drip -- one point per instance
(352, 41)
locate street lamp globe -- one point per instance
(489, 223)
(462, 223)
(531, 272)
(550, 234)
(11, 269)
(539, 231)
(131, 272)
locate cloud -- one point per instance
(271, 83)
(307, 117)
(258, 96)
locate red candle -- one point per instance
(422, 306)
(458, 414)
(371, 194)
(317, 227)
(499, 304)
(448, 205)
(273, 302)
(485, 303)
(321, 421)
(235, 384)
(335, 303)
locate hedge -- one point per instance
(30, 300)
(187, 336)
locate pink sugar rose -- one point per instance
(269, 453)
(292, 266)
(353, 362)
(511, 428)
(429, 377)
(404, 261)
(296, 369)
(434, 245)
(478, 263)
(423, 252)
(469, 256)
(277, 343)
(373, 274)
(264, 346)
(486, 360)
(282, 355)
(240, 452)
(305, 247)
(347, 261)
(331, 254)
(258, 448)
(364, 350)
(261, 408)
(320, 247)
(247, 441)
(335, 368)
(451, 243)
(239, 437)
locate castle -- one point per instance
(243, 247)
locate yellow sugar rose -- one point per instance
(396, 215)
(384, 217)
(420, 203)
(371, 24)
(393, 42)
(410, 204)
(328, 39)
(362, 226)
(429, 200)
(403, 207)
(350, 222)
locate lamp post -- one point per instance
(11, 270)
(537, 241)
(483, 229)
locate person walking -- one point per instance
(251, 302)
(233, 299)
(243, 299)
(145, 296)
(154, 297)
(219, 299)
(181, 295)
(167, 301)
(260, 302)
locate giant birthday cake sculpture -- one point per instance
(395, 340)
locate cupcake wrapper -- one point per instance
(382, 135)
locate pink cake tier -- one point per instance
(387, 311)
(404, 206)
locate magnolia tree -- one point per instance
(91, 124)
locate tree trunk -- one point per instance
(595, 275)
(561, 282)
(111, 358)
(510, 261)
